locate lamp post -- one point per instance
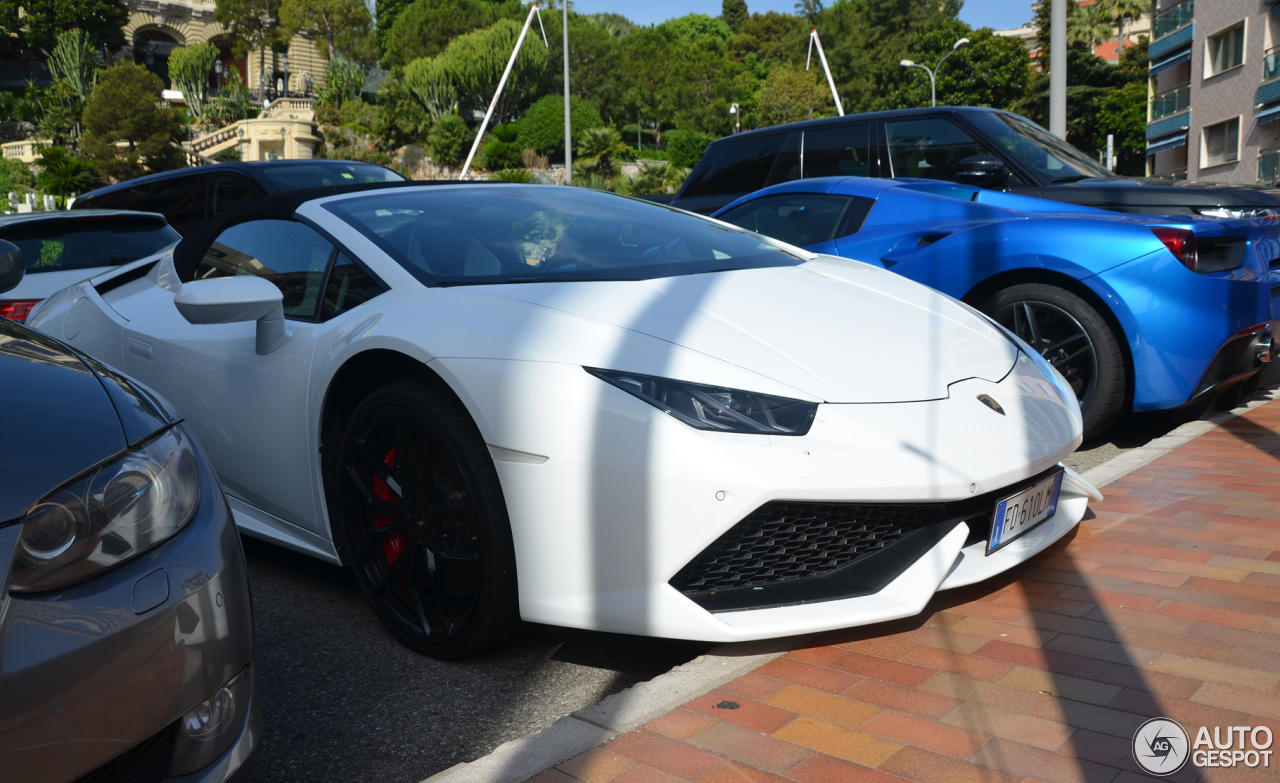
(933, 73)
(284, 62)
(218, 69)
(240, 144)
(283, 132)
(737, 118)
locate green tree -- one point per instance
(343, 81)
(599, 146)
(72, 61)
(542, 127)
(448, 140)
(125, 108)
(594, 61)
(429, 81)
(15, 176)
(337, 26)
(1088, 79)
(399, 118)
(425, 27)
(685, 148)
(36, 24)
(189, 68)
(63, 174)
(791, 94)
(1122, 112)
(1122, 10)
(500, 151)
(734, 13)
(771, 37)
(991, 71)
(473, 64)
(252, 25)
(385, 13)
(1089, 25)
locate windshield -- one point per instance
(1036, 148)
(299, 176)
(544, 233)
(60, 243)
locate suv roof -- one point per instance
(233, 165)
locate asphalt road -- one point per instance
(345, 702)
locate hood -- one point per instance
(1151, 192)
(56, 419)
(838, 330)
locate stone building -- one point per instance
(1214, 110)
(156, 27)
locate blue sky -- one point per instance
(979, 13)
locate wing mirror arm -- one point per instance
(227, 300)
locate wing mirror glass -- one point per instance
(986, 171)
(226, 300)
(12, 267)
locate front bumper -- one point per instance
(86, 682)
(609, 498)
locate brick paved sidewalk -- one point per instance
(1167, 603)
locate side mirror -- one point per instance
(984, 171)
(12, 267)
(226, 300)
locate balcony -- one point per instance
(1173, 18)
(1269, 167)
(1170, 102)
(1271, 64)
(1176, 175)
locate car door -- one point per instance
(249, 411)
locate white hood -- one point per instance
(841, 331)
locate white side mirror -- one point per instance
(226, 300)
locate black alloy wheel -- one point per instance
(1075, 339)
(425, 522)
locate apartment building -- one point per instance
(1214, 109)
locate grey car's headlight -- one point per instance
(109, 515)
(716, 408)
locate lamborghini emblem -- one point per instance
(990, 403)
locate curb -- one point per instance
(519, 760)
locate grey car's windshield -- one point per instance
(544, 233)
(1036, 148)
(55, 244)
(302, 176)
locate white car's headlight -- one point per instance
(716, 408)
(109, 515)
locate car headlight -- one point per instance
(109, 515)
(716, 408)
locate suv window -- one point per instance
(85, 242)
(299, 176)
(227, 190)
(179, 199)
(740, 166)
(931, 147)
(291, 255)
(837, 151)
(801, 218)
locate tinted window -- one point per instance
(299, 176)
(740, 166)
(86, 242)
(930, 148)
(528, 233)
(227, 190)
(839, 151)
(801, 218)
(1036, 148)
(179, 199)
(289, 254)
(349, 287)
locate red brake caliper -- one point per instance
(393, 544)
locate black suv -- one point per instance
(188, 197)
(975, 146)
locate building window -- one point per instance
(1269, 167)
(1221, 143)
(1224, 51)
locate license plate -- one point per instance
(1019, 513)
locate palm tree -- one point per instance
(597, 146)
(1120, 11)
(1089, 25)
(62, 173)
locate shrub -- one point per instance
(514, 175)
(542, 126)
(500, 150)
(448, 140)
(685, 148)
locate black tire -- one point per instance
(425, 522)
(1073, 337)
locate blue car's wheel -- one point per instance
(1073, 337)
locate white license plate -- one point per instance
(1019, 513)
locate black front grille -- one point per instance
(788, 552)
(781, 541)
(146, 762)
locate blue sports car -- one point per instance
(1137, 313)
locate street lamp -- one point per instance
(933, 80)
(284, 62)
(240, 144)
(283, 131)
(737, 117)
(218, 68)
